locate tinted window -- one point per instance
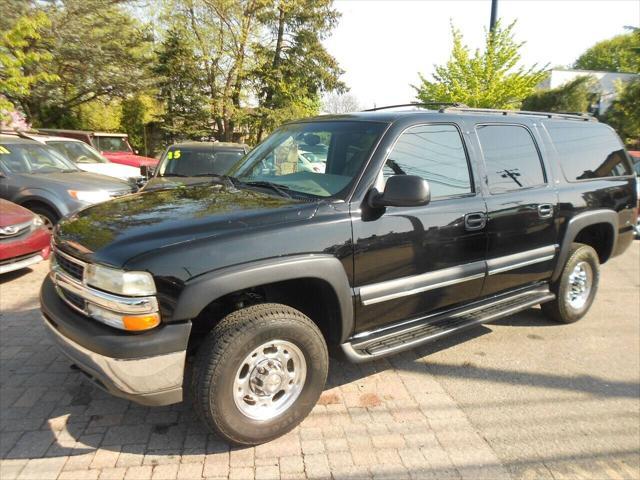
(435, 153)
(588, 150)
(510, 157)
(191, 162)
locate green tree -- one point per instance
(618, 54)
(491, 78)
(137, 112)
(294, 68)
(268, 51)
(19, 58)
(96, 51)
(574, 96)
(624, 113)
(181, 87)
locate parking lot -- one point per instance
(519, 398)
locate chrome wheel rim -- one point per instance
(269, 380)
(580, 281)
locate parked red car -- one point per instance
(24, 240)
(114, 146)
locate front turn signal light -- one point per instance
(137, 323)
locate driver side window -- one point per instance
(435, 153)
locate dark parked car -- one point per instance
(39, 178)
(188, 163)
(24, 240)
(423, 223)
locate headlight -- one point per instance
(135, 284)
(37, 221)
(90, 196)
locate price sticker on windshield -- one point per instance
(173, 155)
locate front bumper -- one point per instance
(24, 251)
(146, 368)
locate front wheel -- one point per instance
(576, 288)
(259, 373)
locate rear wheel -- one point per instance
(259, 373)
(576, 288)
(48, 216)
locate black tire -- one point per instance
(561, 309)
(49, 217)
(222, 355)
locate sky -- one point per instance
(383, 44)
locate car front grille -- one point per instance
(74, 269)
(73, 299)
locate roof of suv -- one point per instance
(394, 113)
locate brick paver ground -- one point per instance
(389, 419)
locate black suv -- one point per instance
(423, 223)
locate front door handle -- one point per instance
(475, 221)
(545, 210)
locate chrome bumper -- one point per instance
(148, 381)
(27, 262)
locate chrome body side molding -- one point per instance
(411, 285)
(522, 259)
(401, 287)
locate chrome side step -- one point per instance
(416, 332)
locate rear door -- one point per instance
(522, 207)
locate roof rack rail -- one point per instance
(585, 117)
(419, 104)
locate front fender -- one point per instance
(42, 196)
(204, 289)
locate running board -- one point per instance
(416, 332)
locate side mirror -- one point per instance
(402, 191)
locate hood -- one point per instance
(12, 214)
(129, 158)
(76, 180)
(116, 170)
(121, 229)
(159, 183)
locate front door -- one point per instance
(522, 208)
(411, 261)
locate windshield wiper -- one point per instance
(280, 189)
(173, 175)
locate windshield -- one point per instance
(283, 159)
(77, 152)
(112, 144)
(190, 162)
(33, 158)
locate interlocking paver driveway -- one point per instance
(530, 400)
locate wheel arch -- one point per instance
(31, 198)
(324, 270)
(584, 227)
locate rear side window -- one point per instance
(511, 158)
(435, 153)
(588, 150)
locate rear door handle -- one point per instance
(545, 210)
(475, 221)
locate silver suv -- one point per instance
(39, 178)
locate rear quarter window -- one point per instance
(588, 150)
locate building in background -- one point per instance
(606, 84)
